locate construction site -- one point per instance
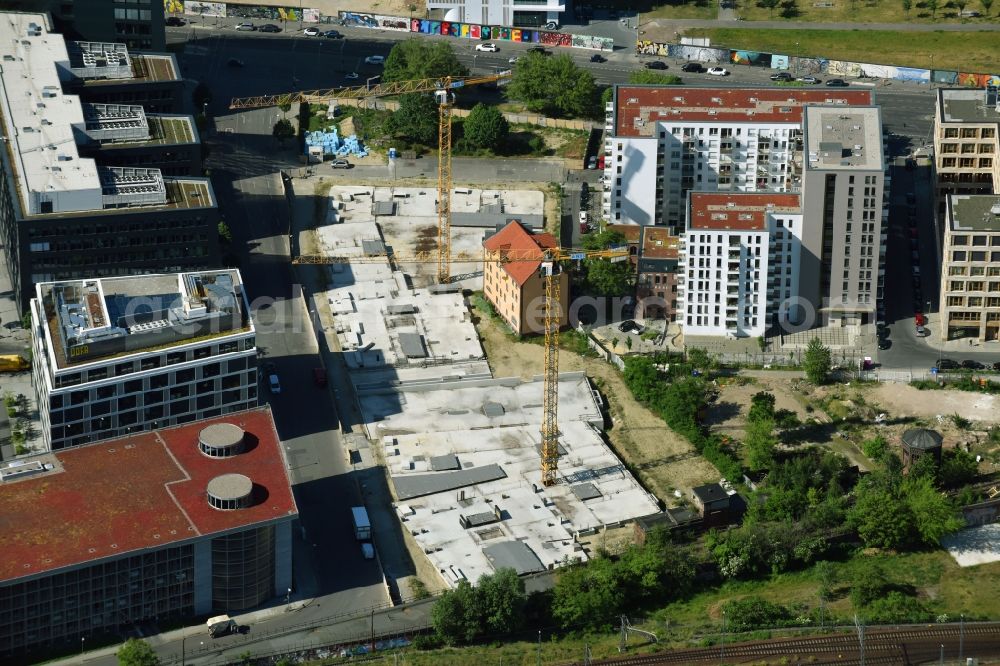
(462, 450)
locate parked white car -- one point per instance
(718, 71)
(489, 47)
(375, 60)
(311, 32)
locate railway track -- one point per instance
(910, 645)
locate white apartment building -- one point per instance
(521, 13)
(664, 141)
(118, 355)
(739, 262)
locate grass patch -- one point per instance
(965, 51)
(857, 11)
(696, 9)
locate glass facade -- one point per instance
(96, 599)
(243, 569)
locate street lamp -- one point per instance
(82, 640)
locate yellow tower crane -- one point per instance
(551, 266)
(444, 93)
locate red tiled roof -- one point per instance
(744, 211)
(764, 105)
(657, 243)
(142, 491)
(519, 240)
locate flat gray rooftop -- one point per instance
(970, 105)
(975, 212)
(843, 138)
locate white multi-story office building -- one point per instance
(740, 262)
(664, 141)
(521, 13)
(118, 355)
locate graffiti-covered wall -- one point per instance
(805, 65)
(476, 31)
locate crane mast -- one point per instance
(444, 99)
(550, 381)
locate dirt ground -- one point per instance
(662, 459)
(902, 400)
(728, 415)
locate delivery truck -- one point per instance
(220, 625)
(362, 526)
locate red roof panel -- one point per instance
(142, 491)
(640, 107)
(742, 211)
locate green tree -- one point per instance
(826, 574)
(933, 514)
(770, 5)
(755, 613)
(907, 6)
(416, 119)
(681, 402)
(485, 127)
(588, 596)
(880, 517)
(868, 584)
(957, 468)
(875, 448)
(700, 359)
(606, 96)
(135, 652)
(225, 235)
(987, 5)
(960, 4)
(603, 240)
(642, 378)
(761, 406)
(649, 77)
(760, 443)
(932, 5)
(817, 362)
(553, 85)
(501, 601)
(608, 278)
(456, 616)
(421, 59)
(283, 129)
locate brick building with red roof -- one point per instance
(512, 278)
(182, 521)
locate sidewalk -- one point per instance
(967, 345)
(665, 29)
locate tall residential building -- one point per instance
(665, 141)
(119, 355)
(846, 211)
(966, 142)
(63, 216)
(740, 262)
(160, 526)
(656, 279)
(513, 281)
(970, 270)
(521, 13)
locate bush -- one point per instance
(875, 448)
(755, 613)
